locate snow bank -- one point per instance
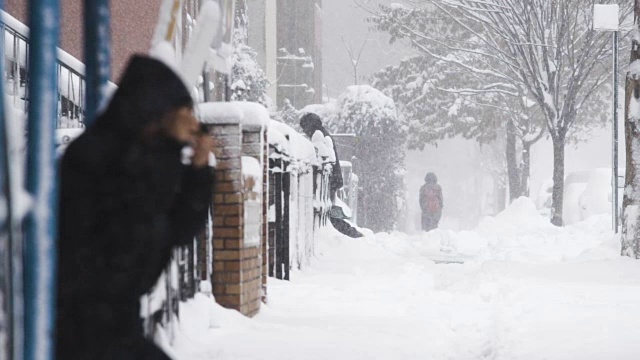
(518, 234)
(521, 294)
(201, 320)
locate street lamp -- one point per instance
(606, 18)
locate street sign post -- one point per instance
(606, 18)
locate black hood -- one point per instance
(431, 178)
(147, 92)
(310, 123)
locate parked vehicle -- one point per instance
(574, 185)
(588, 193)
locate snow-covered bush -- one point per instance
(289, 115)
(248, 80)
(372, 117)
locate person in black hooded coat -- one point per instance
(126, 200)
(310, 123)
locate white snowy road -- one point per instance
(528, 291)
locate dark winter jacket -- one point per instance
(431, 185)
(311, 123)
(126, 200)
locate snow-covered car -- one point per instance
(596, 197)
(543, 202)
(574, 185)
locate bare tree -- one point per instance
(545, 47)
(443, 99)
(354, 60)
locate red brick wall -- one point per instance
(237, 267)
(132, 26)
(253, 145)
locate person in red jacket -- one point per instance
(431, 202)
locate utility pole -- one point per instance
(606, 17)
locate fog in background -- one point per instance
(468, 190)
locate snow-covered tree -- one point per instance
(372, 116)
(631, 203)
(289, 115)
(428, 94)
(249, 81)
(544, 50)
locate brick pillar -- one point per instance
(228, 216)
(238, 217)
(252, 146)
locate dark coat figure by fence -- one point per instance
(127, 199)
(431, 202)
(310, 123)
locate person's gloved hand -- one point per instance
(202, 150)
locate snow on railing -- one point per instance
(71, 75)
(299, 172)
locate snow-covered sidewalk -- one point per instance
(527, 290)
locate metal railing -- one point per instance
(71, 78)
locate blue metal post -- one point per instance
(96, 55)
(40, 240)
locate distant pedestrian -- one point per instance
(129, 194)
(431, 202)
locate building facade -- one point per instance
(132, 27)
(299, 52)
(287, 34)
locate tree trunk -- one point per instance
(501, 197)
(526, 169)
(631, 202)
(513, 172)
(557, 198)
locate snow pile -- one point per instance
(255, 116)
(519, 234)
(219, 113)
(252, 172)
(252, 116)
(384, 297)
(201, 320)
